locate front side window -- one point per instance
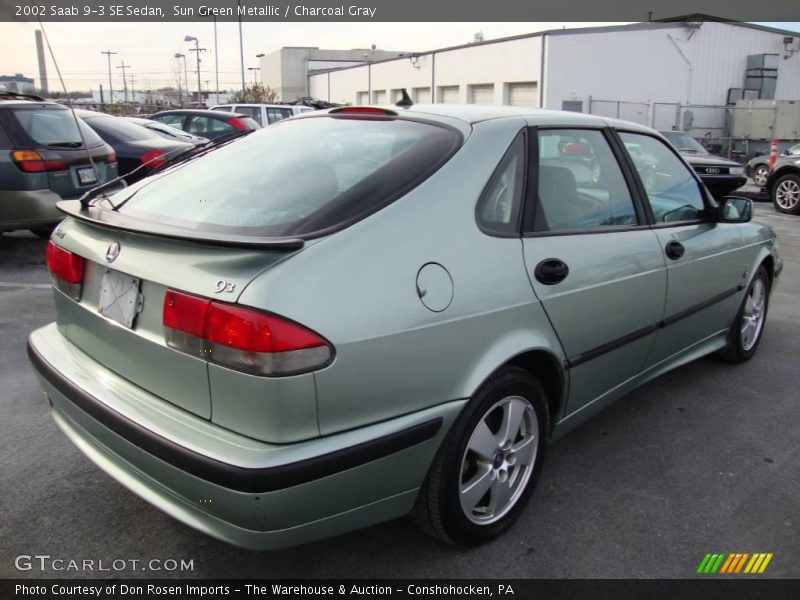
(672, 190)
(297, 178)
(581, 185)
(277, 114)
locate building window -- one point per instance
(480, 93)
(379, 96)
(572, 105)
(447, 94)
(421, 95)
(522, 93)
(362, 98)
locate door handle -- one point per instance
(551, 271)
(674, 250)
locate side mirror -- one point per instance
(733, 209)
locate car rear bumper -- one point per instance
(243, 491)
(28, 209)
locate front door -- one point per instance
(593, 261)
(707, 267)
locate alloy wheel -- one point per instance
(760, 175)
(498, 460)
(787, 194)
(755, 305)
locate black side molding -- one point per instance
(579, 359)
(233, 477)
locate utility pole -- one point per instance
(108, 53)
(123, 66)
(216, 59)
(241, 43)
(197, 49)
(133, 89)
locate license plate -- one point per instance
(87, 176)
(120, 299)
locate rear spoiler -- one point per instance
(114, 220)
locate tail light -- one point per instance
(111, 159)
(238, 123)
(31, 161)
(66, 270)
(153, 158)
(240, 338)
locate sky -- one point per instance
(149, 48)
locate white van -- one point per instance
(265, 114)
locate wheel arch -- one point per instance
(785, 170)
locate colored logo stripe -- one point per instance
(734, 562)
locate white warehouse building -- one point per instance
(652, 73)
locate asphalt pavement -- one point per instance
(704, 459)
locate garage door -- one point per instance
(481, 94)
(523, 94)
(448, 94)
(362, 98)
(422, 95)
(379, 97)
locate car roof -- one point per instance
(198, 111)
(12, 102)
(472, 114)
(254, 104)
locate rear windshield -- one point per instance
(119, 129)
(298, 178)
(55, 128)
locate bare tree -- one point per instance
(256, 93)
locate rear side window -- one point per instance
(277, 114)
(172, 120)
(672, 190)
(202, 125)
(223, 108)
(254, 112)
(121, 130)
(581, 185)
(55, 128)
(300, 178)
(499, 206)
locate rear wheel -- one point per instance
(488, 463)
(786, 194)
(760, 174)
(747, 328)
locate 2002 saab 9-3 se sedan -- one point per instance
(363, 313)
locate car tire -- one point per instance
(760, 175)
(748, 326)
(786, 194)
(481, 477)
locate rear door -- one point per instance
(707, 266)
(592, 260)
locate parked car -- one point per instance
(721, 176)
(265, 114)
(783, 185)
(45, 157)
(167, 131)
(209, 124)
(273, 357)
(758, 167)
(135, 145)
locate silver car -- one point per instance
(371, 312)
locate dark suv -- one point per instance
(44, 158)
(783, 185)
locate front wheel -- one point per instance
(786, 194)
(488, 463)
(745, 333)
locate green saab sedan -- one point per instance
(370, 312)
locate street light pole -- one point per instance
(110, 89)
(241, 43)
(216, 58)
(255, 73)
(180, 94)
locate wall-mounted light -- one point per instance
(788, 46)
(414, 58)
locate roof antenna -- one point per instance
(405, 100)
